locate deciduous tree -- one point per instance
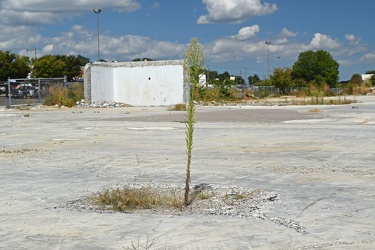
(316, 66)
(282, 78)
(13, 66)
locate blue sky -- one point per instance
(232, 32)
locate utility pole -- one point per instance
(245, 78)
(268, 44)
(278, 61)
(208, 74)
(97, 12)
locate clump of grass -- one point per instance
(146, 245)
(178, 107)
(129, 198)
(236, 196)
(203, 195)
(316, 110)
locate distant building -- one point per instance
(366, 76)
(143, 83)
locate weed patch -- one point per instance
(316, 110)
(62, 96)
(178, 107)
(128, 198)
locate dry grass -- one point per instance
(339, 100)
(178, 107)
(316, 110)
(135, 198)
(235, 197)
(128, 198)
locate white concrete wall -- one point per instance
(102, 87)
(156, 83)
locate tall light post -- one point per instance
(268, 44)
(278, 61)
(97, 12)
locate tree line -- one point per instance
(48, 66)
(312, 68)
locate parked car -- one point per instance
(24, 91)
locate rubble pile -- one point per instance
(112, 104)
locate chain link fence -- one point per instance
(30, 90)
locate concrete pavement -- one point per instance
(321, 164)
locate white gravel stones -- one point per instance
(112, 104)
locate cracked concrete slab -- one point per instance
(321, 165)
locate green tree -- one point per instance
(282, 78)
(224, 76)
(49, 66)
(13, 66)
(194, 65)
(316, 66)
(239, 80)
(73, 66)
(83, 60)
(253, 79)
(212, 75)
(356, 79)
(143, 59)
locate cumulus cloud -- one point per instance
(247, 32)
(322, 41)
(79, 40)
(350, 37)
(234, 11)
(287, 33)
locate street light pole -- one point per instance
(278, 61)
(97, 12)
(268, 44)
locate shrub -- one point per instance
(63, 96)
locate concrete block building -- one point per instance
(145, 83)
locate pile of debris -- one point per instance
(112, 104)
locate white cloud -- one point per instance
(234, 11)
(352, 39)
(67, 5)
(33, 12)
(48, 49)
(287, 33)
(123, 48)
(247, 32)
(321, 41)
(281, 41)
(368, 57)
